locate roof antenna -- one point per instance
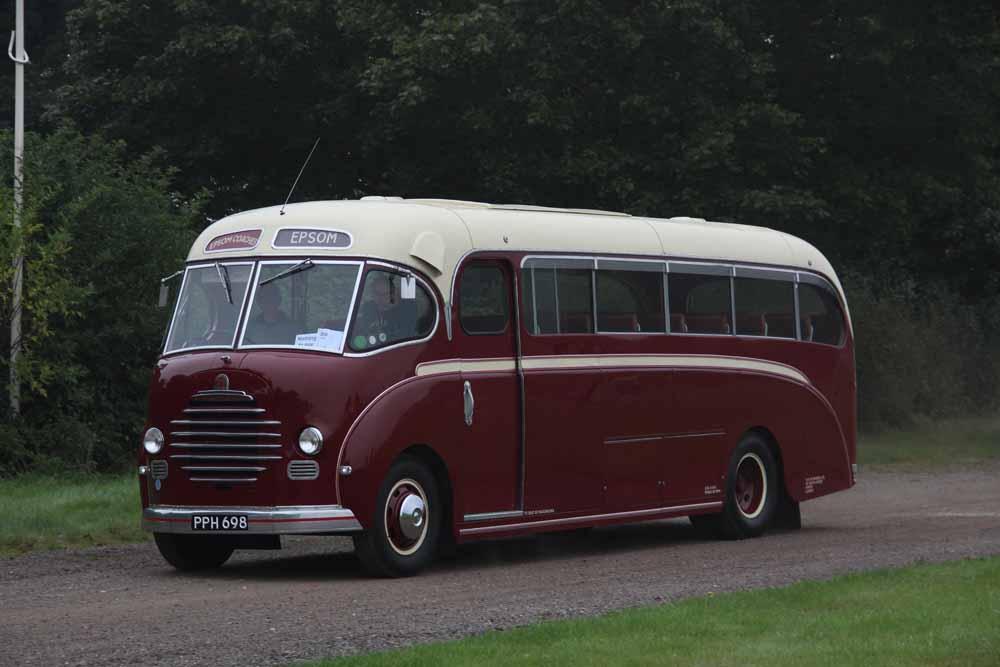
(282, 211)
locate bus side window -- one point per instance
(765, 306)
(819, 314)
(482, 305)
(630, 297)
(558, 296)
(701, 301)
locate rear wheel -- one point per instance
(752, 493)
(193, 552)
(403, 537)
(752, 490)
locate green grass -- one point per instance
(959, 442)
(47, 513)
(938, 615)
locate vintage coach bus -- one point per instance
(419, 372)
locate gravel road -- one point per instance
(124, 606)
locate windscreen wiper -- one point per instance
(301, 266)
(224, 277)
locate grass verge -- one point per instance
(46, 513)
(947, 442)
(937, 615)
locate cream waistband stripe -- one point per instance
(570, 362)
(466, 366)
(610, 361)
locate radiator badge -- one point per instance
(221, 382)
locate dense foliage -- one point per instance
(871, 129)
(99, 231)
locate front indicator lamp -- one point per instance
(310, 441)
(152, 442)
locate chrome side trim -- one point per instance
(262, 520)
(486, 516)
(624, 440)
(635, 514)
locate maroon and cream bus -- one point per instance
(421, 372)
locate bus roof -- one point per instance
(434, 234)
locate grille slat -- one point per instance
(224, 468)
(222, 434)
(223, 457)
(226, 439)
(224, 422)
(226, 446)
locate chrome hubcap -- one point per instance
(406, 516)
(411, 516)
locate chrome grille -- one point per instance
(158, 468)
(299, 470)
(223, 438)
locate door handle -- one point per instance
(469, 401)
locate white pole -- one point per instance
(15, 320)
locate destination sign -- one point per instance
(312, 238)
(243, 240)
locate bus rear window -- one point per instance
(819, 314)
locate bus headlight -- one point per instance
(310, 441)
(152, 442)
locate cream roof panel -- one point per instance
(549, 231)
(434, 234)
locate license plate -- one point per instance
(219, 522)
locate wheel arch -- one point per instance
(772, 444)
(787, 515)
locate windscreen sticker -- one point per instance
(331, 239)
(323, 339)
(242, 240)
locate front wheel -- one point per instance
(193, 552)
(404, 534)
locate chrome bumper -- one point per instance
(261, 520)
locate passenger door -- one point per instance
(485, 338)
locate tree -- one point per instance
(99, 231)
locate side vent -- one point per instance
(300, 470)
(158, 468)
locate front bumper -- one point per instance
(261, 520)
